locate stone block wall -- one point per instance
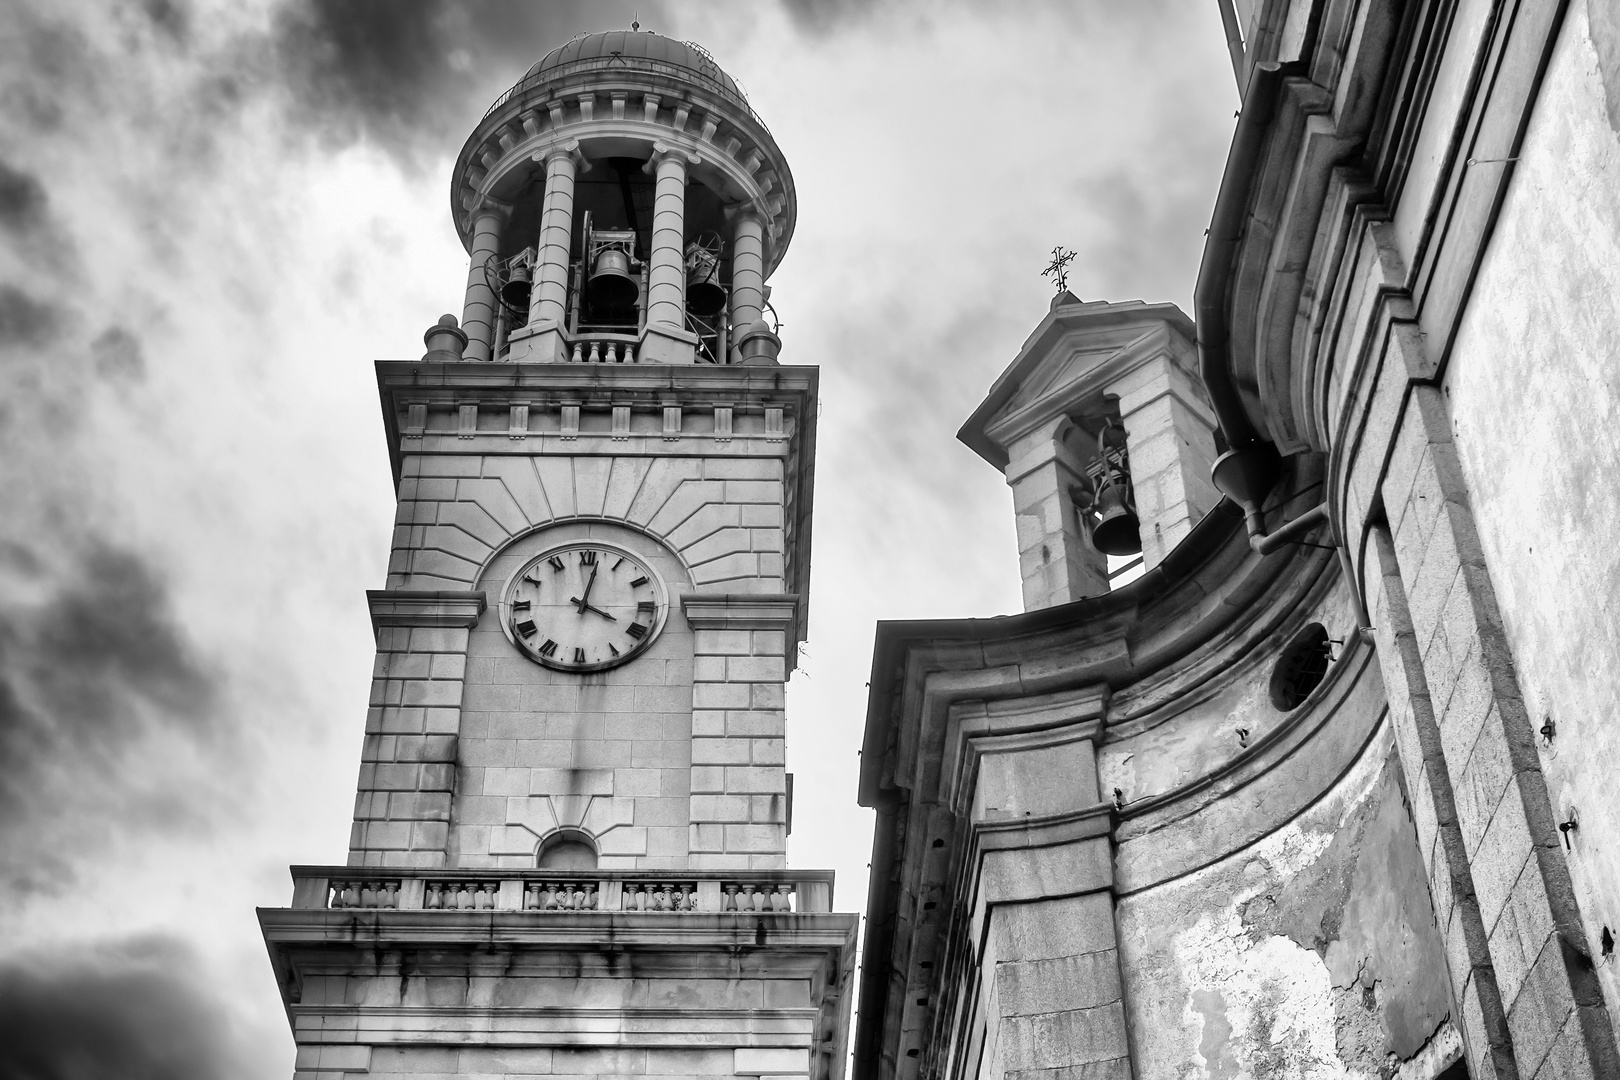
(475, 754)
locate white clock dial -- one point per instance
(583, 607)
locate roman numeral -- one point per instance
(524, 628)
(636, 630)
(612, 650)
(638, 582)
(579, 655)
(531, 579)
(549, 648)
(587, 557)
(556, 562)
(619, 563)
(519, 605)
(644, 606)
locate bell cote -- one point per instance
(1106, 438)
(622, 203)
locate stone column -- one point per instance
(548, 304)
(747, 268)
(666, 339)
(666, 273)
(1055, 557)
(478, 311)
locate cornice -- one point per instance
(427, 608)
(740, 611)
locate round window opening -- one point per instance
(1301, 667)
(567, 851)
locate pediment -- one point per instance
(1068, 364)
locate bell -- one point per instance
(1117, 531)
(704, 294)
(612, 287)
(515, 292)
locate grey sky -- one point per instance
(216, 216)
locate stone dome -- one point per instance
(637, 51)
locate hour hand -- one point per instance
(584, 607)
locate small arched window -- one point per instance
(568, 849)
(1301, 667)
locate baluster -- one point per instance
(596, 352)
(783, 900)
(486, 895)
(730, 902)
(629, 354)
(746, 901)
(578, 357)
(590, 901)
(576, 896)
(531, 897)
(390, 897)
(368, 894)
(435, 896)
(613, 352)
(628, 900)
(687, 901)
(466, 896)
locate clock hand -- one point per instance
(583, 600)
(584, 607)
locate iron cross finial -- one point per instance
(1058, 271)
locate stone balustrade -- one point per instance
(603, 349)
(638, 891)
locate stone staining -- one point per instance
(575, 742)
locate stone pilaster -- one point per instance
(1056, 560)
(1170, 435)
(739, 778)
(408, 764)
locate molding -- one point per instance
(740, 611)
(433, 608)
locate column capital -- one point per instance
(568, 148)
(488, 207)
(663, 151)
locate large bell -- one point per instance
(704, 294)
(1117, 531)
(515, 290)
(612, 287)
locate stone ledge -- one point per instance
(424, 607)
(740, 611)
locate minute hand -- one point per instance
(583, 601)
(584, 607)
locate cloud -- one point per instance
(132, 1009)
(92, 664)
(415, 76)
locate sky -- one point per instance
(214, 216)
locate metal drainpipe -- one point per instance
(1248, 471)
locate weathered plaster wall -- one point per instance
(1534, 394)
(1312, 953)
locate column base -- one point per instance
(663, 344)
(537, 343)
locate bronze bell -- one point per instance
(515, 290)
(705, 296)
(612, 287)
(1117, 531)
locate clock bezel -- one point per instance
(656, 627)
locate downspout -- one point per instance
(1248, 470)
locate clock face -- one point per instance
(584, 607)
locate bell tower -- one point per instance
(569, 848)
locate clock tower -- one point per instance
(569, 849)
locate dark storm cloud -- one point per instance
(23, 204)
(24, 320)
(134, 1010)
(415, 75)
(91, 662)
